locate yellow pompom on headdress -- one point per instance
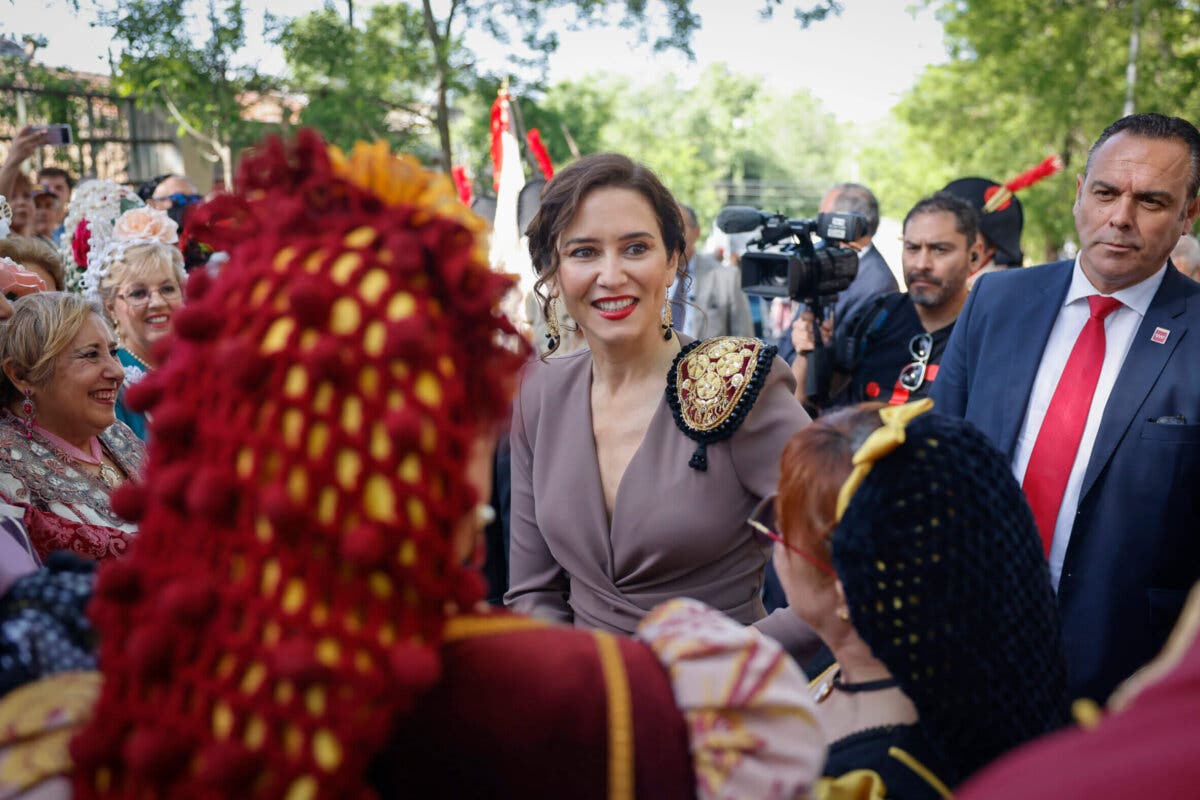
(310, 429)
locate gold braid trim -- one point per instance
(620, 718)
(472, 625)
(882, 441)
(906, 758)
(37, 723)
(860, 784)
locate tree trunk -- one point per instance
(442, 56)
(1131, 64)
(443, 117)
(225, 153)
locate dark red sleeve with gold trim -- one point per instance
(541, 712)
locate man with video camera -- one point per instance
(889, 351)
(874, 277)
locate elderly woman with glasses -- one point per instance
(906, 543)
(140, 288)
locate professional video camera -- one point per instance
(808, 273)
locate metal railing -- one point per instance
(112, 137)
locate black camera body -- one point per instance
(796, 268)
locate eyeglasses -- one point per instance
(136, 298)
(920, 348)
(762, 522)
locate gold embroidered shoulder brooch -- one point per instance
(712, 386)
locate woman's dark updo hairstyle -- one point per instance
(564, 194)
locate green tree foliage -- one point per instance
(367, 81)
(194, 78)
(704, 141)
(528, 20)
(900, 166)
(804, 14)
(566, 112)
(53, 96)
(730, 139)
(1027, 78)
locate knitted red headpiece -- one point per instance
(310, 428)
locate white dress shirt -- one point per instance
(1119, 329)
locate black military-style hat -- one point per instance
(1001, 227)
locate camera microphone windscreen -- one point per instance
(740, 219)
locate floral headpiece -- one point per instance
(142, 225)
(94, 208)
(311, 422)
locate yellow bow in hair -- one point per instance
(882, 441)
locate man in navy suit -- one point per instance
(1087, 374)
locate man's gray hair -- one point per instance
(857, 199)
(1188, 247)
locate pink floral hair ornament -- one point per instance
(141, 225)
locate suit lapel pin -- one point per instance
(1160, 335)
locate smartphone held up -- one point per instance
(58, 133)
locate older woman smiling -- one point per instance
(61, 449)
(141, 294)
(137, 276)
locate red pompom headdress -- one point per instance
(310, 430)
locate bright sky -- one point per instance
(858, 64)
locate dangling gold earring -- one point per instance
(552, 333)
(666, 320)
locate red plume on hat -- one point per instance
(997, 197)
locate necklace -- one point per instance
(96, 457)
(826, 688)
(862, 686)
(129, 351)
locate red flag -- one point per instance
(463, 184)
(534, 137)
(500, 125)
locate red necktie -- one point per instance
(1058, 440)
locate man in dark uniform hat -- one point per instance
(1001, 229)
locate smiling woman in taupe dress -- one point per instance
(637, 460)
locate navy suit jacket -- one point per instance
(1135, 545)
